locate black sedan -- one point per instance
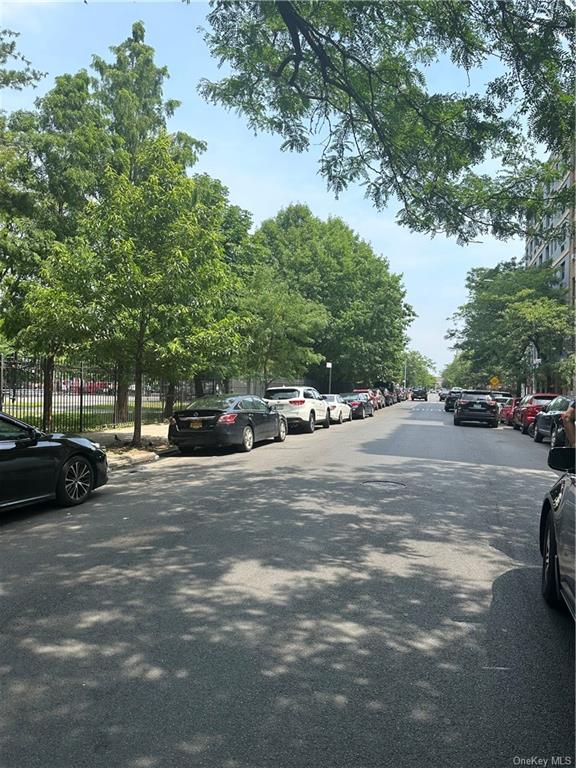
(360, 403)
(224, 421)
(476, 405)
(35, 466)
(557, 533)
(451, 398)
(548, 422)
(419, 393)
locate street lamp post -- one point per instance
(329, 366)
(405, 369)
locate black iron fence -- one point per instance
(82, 397)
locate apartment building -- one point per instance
(561, 251)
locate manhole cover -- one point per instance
(389, 483)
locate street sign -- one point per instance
(495, 382)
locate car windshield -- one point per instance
(542, 400)
(210, 401)
(329, 398)
(281, 394)
(354, 396)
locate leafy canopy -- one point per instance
(360, 75)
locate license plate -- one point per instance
(195, 424)
(477, 407)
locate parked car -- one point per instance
(548, 422)
(360, 404)
(380, 399)
(451, 398)
(226, 420)
(557, 533)
(371, 394)
(303, 407)
(419, 393)
(476, 405)
(339, 410)
(507, 410)
(35, 466)
(525, 412)
(500, 396)
(442, 394)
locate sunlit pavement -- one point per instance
(367, 596)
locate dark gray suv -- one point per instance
(476, 405)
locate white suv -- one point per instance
(302, 406)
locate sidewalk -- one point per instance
(121, 455)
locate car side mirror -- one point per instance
(562, 459)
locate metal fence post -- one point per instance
(81, 397)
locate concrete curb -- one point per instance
(127, 462)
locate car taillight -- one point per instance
(296, 402)
(354, 403)
(227, 418)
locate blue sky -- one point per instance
(61, 37)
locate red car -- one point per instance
(507, 410)
(374, 399)
(526, 410)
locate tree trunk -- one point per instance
(48, 391)
(198, 386)
(169, 400)
(122, 394)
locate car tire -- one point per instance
(282, 431)
(350, 417)
(557, 438)
(326, 423)
(457, 422)
(75, 482)
(515, 425)
(340, 417)
(247, 440)
(371, 412)
(537, 435)
(363, 414)
(311, 423)
(494, 424)
(550, 580)
(524, 428)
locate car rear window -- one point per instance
(475, 396)
(221, 403)
(543, 400)
(281, 394)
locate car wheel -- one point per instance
(326, 424)
(557, 438)
(247, 440)
(494, 424)
(76, 482)
(363, 414)
(524, 428)
(456, 422)
(311, 423)
(340, 417)
(372, 412)
(350, 416)
(515, 425)
(282, 432)
(550, 580)
(537, 435)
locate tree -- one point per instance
(329, 264)
(357, 75)
(159, 271)
(23, 74)
(458, 373)
(419, 370)
(509, 308)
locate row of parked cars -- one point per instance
(243, 420)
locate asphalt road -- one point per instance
(364, 597)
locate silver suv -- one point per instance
(302, 407)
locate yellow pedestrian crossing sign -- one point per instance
(495, 382)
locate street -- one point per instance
(364, 597)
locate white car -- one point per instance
(302, 406)
(339, 410)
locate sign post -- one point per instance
(329, 366)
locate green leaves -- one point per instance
(356, 75)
